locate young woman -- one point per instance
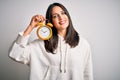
(65, 56)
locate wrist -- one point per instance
(28, 30)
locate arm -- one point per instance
(88, 70)
(33, 24)
(21, 50)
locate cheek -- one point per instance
(55, 23)
(67, 19)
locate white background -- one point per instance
(97, 20)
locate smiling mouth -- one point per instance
(62, 22)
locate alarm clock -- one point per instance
(44, 32)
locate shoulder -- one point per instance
(84, 42)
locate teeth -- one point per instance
(61, 22)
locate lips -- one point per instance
(62, 22)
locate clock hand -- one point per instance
(42, 31)
(45, 31)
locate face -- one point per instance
(59, 18)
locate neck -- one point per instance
(62, 33)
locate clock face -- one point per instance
(44, 32)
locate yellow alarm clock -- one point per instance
(44, 32)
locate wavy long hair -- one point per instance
(71, 38)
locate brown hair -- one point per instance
(72, 37)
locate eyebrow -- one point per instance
(57, 13)
(54, 14)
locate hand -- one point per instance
(34, 21)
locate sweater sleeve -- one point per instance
(20, 50)
(88, 69)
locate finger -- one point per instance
(37, 17)
(40, 18)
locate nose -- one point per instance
(60, 17)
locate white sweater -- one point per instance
(67, 64)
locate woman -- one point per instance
(65, 56)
